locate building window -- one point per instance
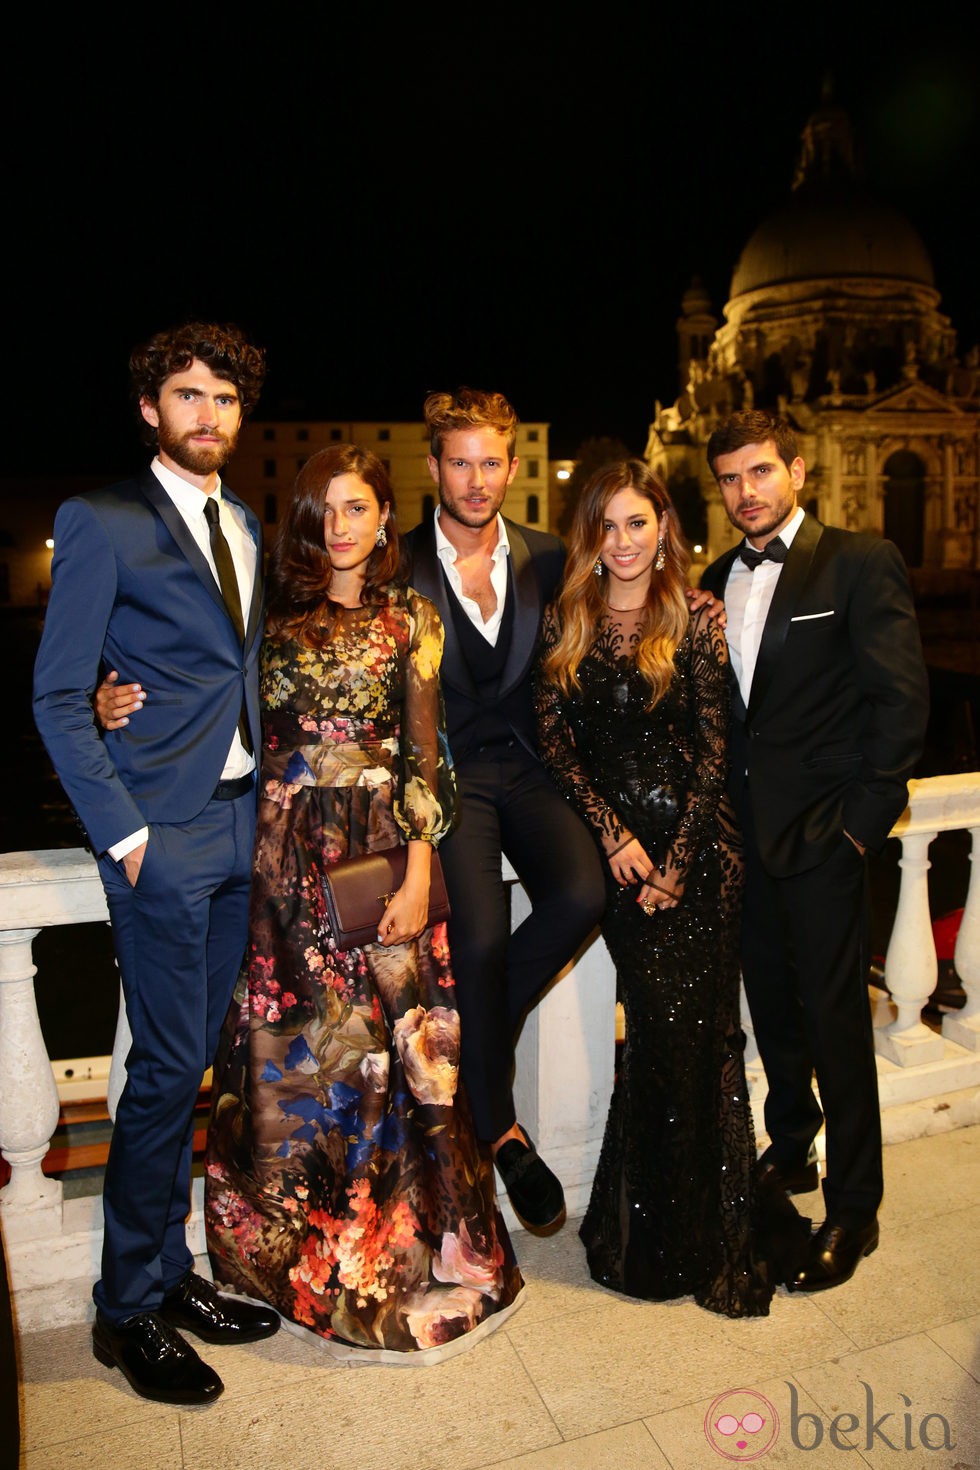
(384, 435)
(532, 436)
(268, 435)
(533, 511)
(271, 509)
(532, 469)
(269, 469)
(302, 435)
(336, 435)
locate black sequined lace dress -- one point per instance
(671, 1201)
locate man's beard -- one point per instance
(197, 459)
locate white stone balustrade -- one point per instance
(565, 1058)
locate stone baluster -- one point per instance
(910, 964)
(963, 1026)
(28, 1094)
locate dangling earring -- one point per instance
(661, 561)
(598, 569)
(381, 536)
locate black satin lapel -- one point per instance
(177, 527)
(526, 590)
(792, 579)
(427, 577)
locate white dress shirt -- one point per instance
(748, 598)
(189, 502)
(447, 554)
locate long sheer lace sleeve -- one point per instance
(428, 797)
(556, 742)
(709, 754)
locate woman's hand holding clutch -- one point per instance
(405, 916)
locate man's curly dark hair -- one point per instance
(224, 349)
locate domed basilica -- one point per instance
(834, 319)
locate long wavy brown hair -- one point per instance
(581, 604)
(298, 599)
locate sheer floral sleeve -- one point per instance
(709, 755)
(556, 742)
(428, 797)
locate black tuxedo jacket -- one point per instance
(535, 567)
(131, 590)
(839, 700)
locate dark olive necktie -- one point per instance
(228, 582)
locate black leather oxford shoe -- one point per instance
(196, 1306)
(802, 1179)
(833, 1254)
(535, 1193)
(155, 1359)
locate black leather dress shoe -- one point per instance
(195, 1306)
(833, 1254)
(535, 1193)
(770, 1174)
(155, 1359)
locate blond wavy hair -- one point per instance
(581, 603)
(469, 408)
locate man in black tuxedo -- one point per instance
(829, 718)
(161, 576)
(491, 581)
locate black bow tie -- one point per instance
(774, 550)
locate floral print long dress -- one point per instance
(344, 1185)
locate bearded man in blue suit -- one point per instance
(161, 576)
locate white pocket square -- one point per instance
(809, 617)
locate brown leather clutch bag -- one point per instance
(358, 891)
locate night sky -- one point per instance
(393, 206)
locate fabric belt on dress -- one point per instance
(230, 790)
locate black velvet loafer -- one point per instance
(196, 1306)
(833, 1255)
(155, 1359)
(535, 1193)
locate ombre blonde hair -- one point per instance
(581, 604)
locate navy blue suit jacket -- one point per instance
(132, 591)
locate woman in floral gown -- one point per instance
(344, 1185)
(632, 704)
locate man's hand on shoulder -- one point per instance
(700, 597)
(115, 702)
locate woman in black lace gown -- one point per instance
(632, 702)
